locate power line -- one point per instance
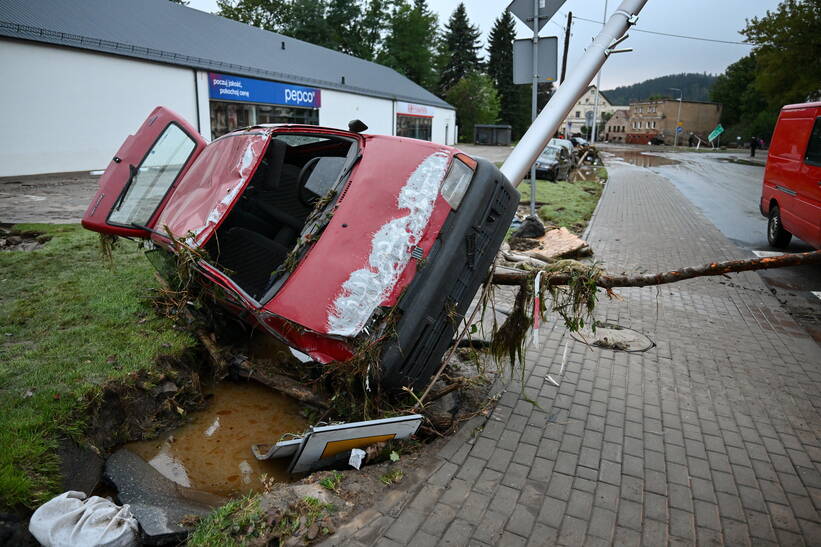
(671, 35)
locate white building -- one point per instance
(80, 76)
(582, 113)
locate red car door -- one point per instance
(143, 174)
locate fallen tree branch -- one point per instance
(608, 281)
(283, 384)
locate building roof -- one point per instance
(670, 100)
(162, 31)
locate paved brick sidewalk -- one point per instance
(711, 437)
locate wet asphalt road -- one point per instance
(727, 194)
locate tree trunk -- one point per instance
(607, 281)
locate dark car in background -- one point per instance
(554, 163)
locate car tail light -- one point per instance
(457, 181)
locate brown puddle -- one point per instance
(635, 157)
(213, 451)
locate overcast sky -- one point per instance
(654, 55)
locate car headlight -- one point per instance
(457, 181)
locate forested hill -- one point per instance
(696, 87)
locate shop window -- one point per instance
(415, 127)
(227, 117)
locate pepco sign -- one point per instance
(250, 90)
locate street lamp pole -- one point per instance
(678, 116)
(593, 130)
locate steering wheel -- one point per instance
(304, 173)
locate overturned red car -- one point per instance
(318, 235)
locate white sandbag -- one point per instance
(72, 520)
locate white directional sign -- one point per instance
(523, 9)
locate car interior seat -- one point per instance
(249, 258)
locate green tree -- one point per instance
(306, 20)
(476, 102)
(265, 14)
(459, 55)
(788, 52)
(514, 100)
(409, 44)
(180, 2)
(374, 24)
(737, 92)
(344, 21)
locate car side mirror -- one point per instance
(357, 126)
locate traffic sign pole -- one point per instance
(534, 99)
(533, 141)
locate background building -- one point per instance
(651, 120)
(615, 130)
(81, 76)
(582, 113)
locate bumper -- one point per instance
(440, 294)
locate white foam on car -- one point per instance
(391, 246)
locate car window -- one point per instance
(150, 181)
(549, 153)
(299, 140)
(813, 155)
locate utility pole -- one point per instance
(534, 99)
(598, 84)
(566, 45)
(533, 141)
(678, 116)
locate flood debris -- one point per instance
(15, 240)
(323, 446)
(553, 245)
(72, 518)
(615, 337)
(162, 507)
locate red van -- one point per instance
(791, 194)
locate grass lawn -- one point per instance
(68, 323)
(568, 204)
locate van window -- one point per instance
(813, 155)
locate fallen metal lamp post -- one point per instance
(545, 125)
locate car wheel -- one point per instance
(777, 236)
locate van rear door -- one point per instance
(808, 199)
(143, 174)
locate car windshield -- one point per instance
(550, 154)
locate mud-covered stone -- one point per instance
(159, 505)
(532, 227)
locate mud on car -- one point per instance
(320, 236)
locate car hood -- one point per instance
(390, 205)
(211, 187)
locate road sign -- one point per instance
(680, 124)
(679, 129)
(523, 60)
(716, 132)
(523, 9)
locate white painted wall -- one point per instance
(338, 108)
(444, 126)
(66, 109)
(204, 105)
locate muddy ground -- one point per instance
(54, 198)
